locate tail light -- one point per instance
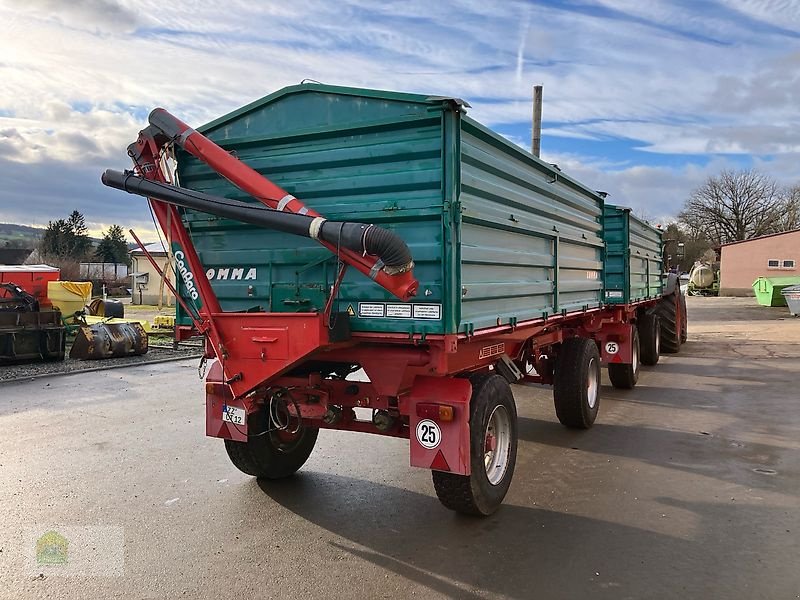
(437, 412)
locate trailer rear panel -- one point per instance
(633, 261)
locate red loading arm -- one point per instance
(402, 285)
(145, 153)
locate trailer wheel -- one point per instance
(649, 338)
(667, 310)
(625, 376)
(684, 320)
(576, 387)
(273, 455)
(493, 451)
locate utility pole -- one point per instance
(536, 134)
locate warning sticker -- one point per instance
(427, 311)
(377, 310)
(371, 310)
(398, 311)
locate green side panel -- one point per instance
(768, 289)
(349, 156)
(634, 255)
(531, 237)
(497, 235)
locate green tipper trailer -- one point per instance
(634, 257)
(469, 265)
(498, 236)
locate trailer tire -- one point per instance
(576, 386)
(667, 310)
(649, 338)
(492, 412)
(271, 456)
(624, 376)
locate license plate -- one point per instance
(233, 414)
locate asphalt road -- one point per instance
(687, 487)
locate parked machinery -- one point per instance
(28, 334)
(703, 279)
(430, 264)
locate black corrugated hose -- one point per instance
(393, 254)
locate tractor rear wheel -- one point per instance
(576, 387)
(624, 376)
(649, 338)
(493, 451)
(272, 454)
(667, 311)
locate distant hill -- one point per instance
(19, 236)
(23, 236)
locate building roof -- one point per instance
(154, 248)
(761, 237)
(28, 269)
(14, 256)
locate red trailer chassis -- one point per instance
(409, 376)
(280, 375)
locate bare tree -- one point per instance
(790, 208)
(693, 246)
(735, 205)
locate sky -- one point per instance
(642, 99)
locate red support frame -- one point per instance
(251, 347)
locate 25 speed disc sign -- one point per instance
(429, 435)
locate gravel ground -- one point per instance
(158, 353)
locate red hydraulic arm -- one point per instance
(146, 153)
(403, 285)
(251, 347)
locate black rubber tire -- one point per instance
(577, 357)
(649, 338)
(474, 494)
(622, 376)
(666, 309)
(685, 320)
(266, 456)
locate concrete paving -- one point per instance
(687, 487)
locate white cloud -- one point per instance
(784, 14)
(78, 78)
(658, 192)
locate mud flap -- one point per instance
(615, 344)
(226, 418)
(435, 442)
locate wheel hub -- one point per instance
(497, 445)
(592, 385)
